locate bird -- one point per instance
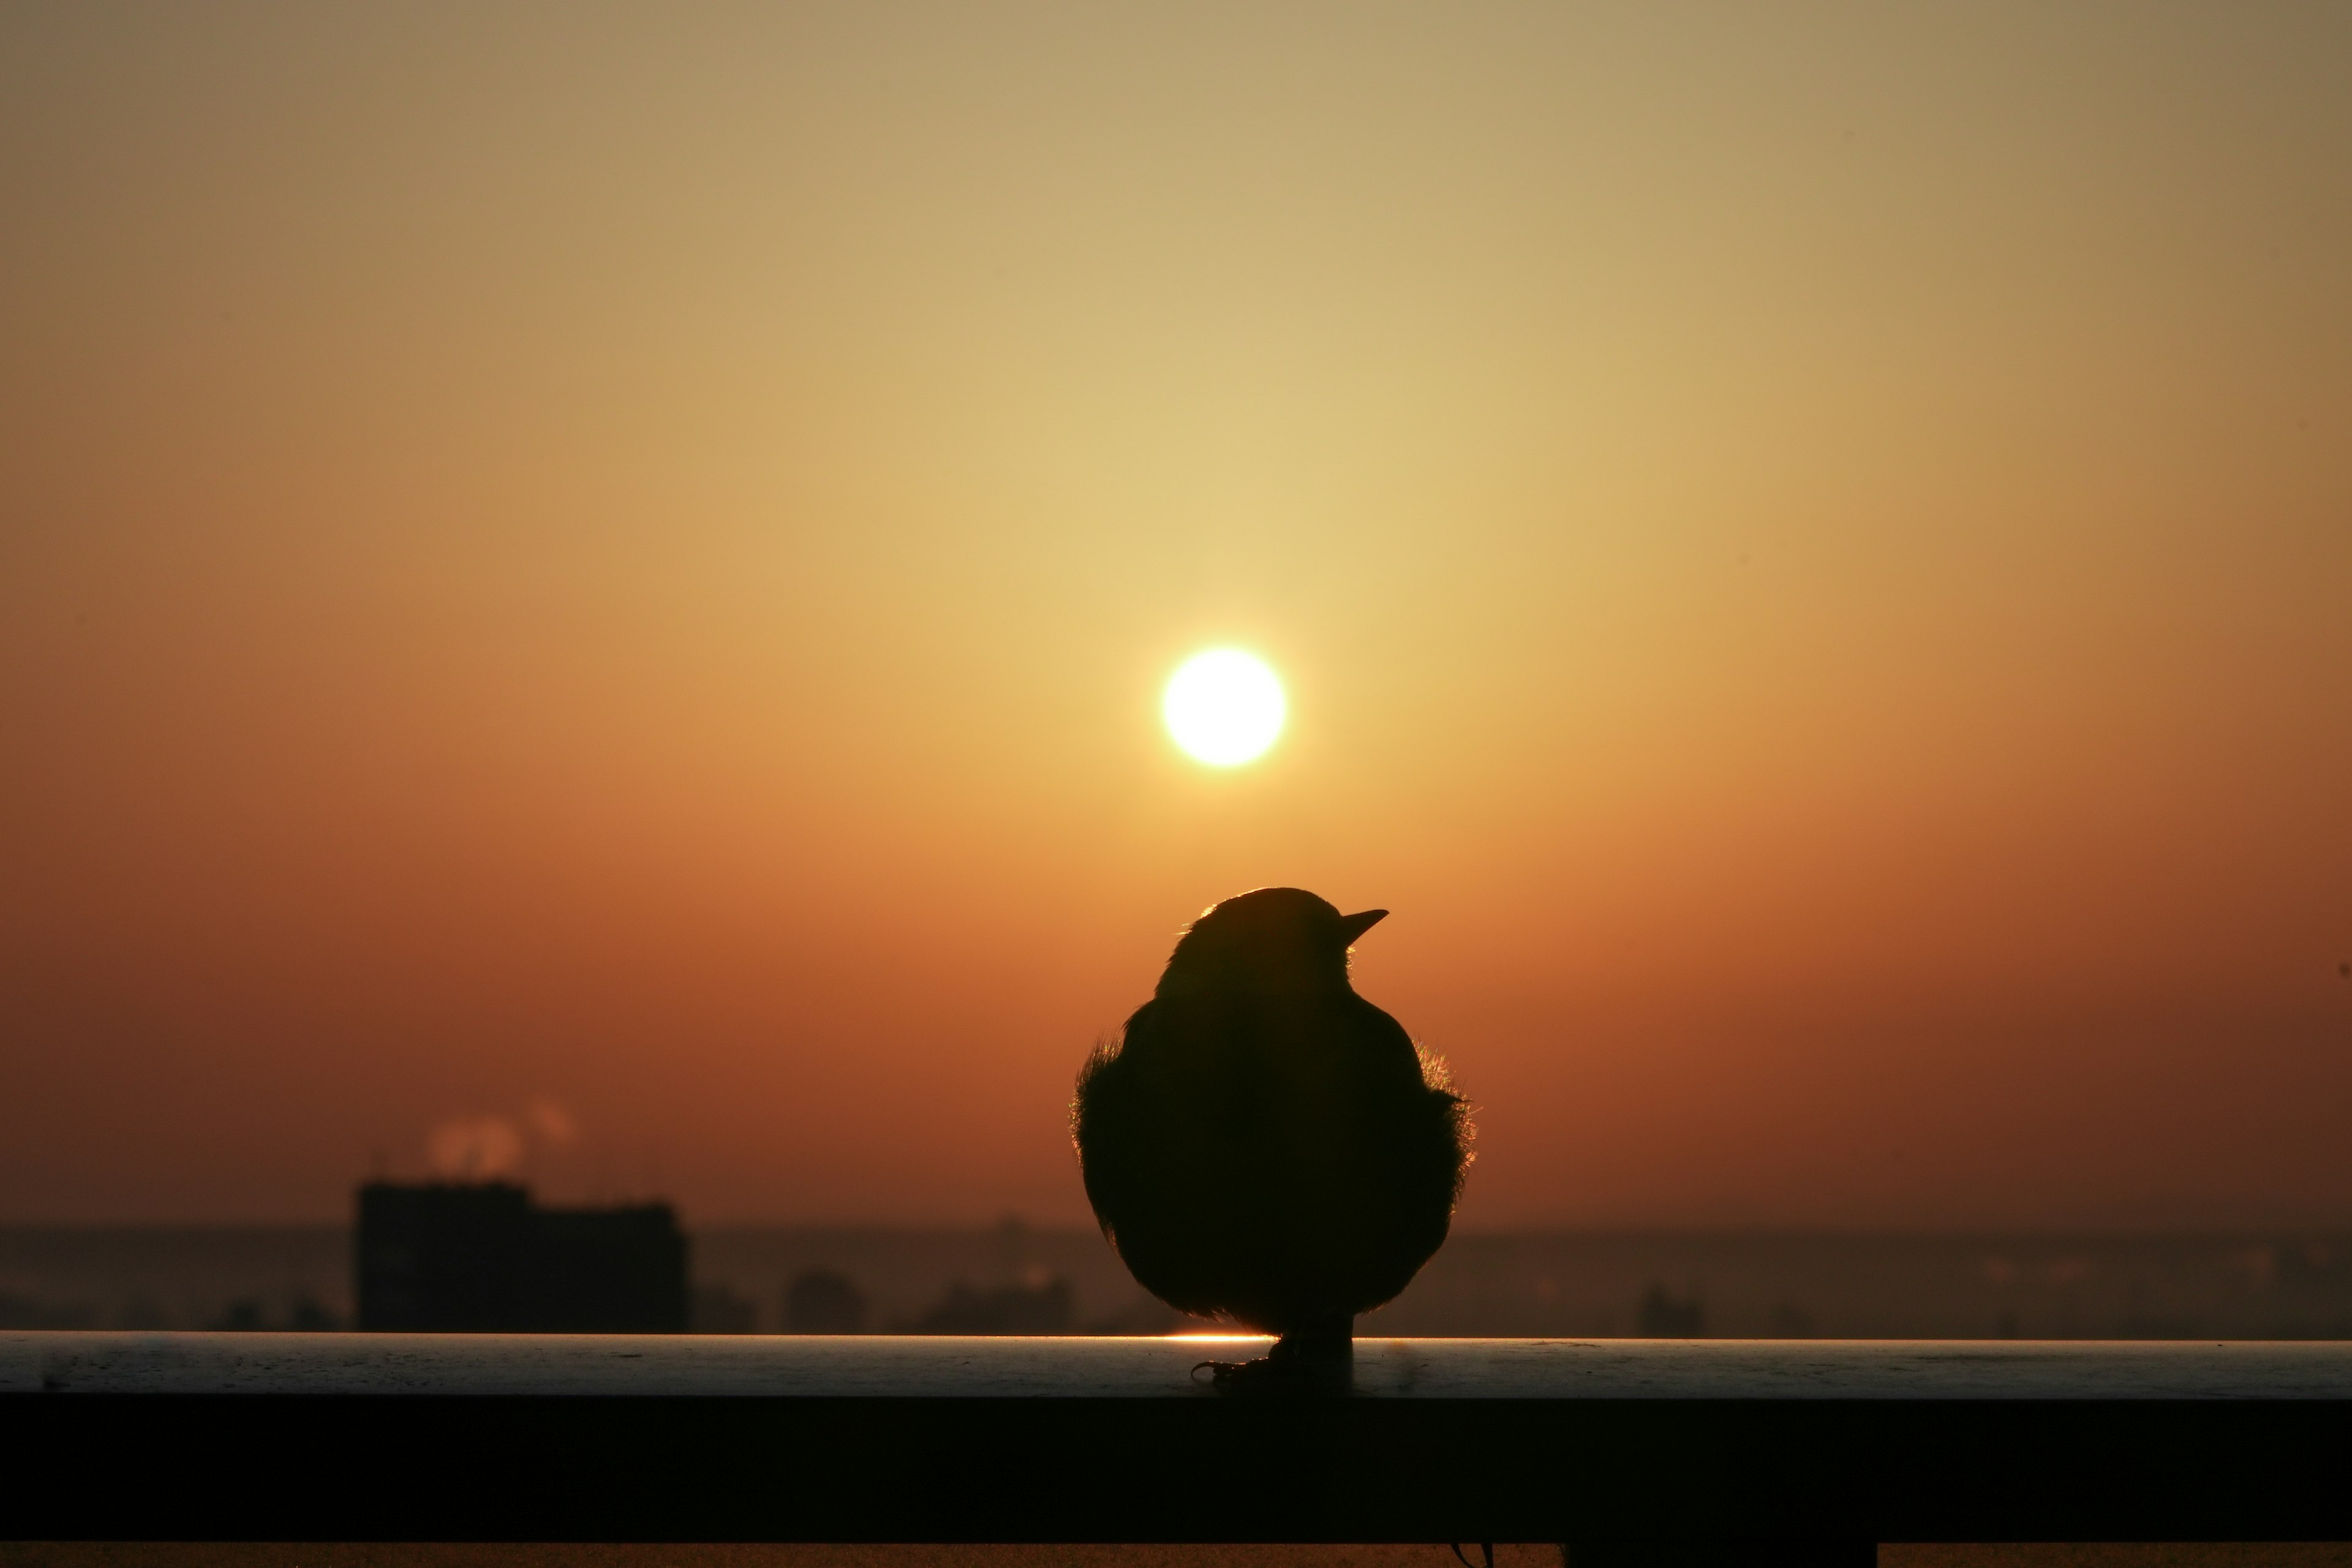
(1263, 1146)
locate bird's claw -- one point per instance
(1291, 1366)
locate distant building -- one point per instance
(481, 1257)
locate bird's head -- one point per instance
(1274, 939)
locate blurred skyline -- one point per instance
(623, 559)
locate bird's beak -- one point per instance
(1353, 926)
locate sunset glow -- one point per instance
(636, 561)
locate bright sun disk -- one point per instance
(1224, 707)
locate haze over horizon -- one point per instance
(624, 561)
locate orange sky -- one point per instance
(625, 558)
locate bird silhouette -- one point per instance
(1262, 1145)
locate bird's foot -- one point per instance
(1297, 1364)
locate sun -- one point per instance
(1224, 707)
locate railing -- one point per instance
(1636, 1450)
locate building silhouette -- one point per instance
(481, 1257)
(1043, 1307)
(1664, 1315)
(825, 1302)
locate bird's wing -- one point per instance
(1105, 1120)
(1382, 1041)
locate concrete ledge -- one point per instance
(347, 1436)
(905, 1367)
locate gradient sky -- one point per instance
(620, 560)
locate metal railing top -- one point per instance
(916, 1367)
